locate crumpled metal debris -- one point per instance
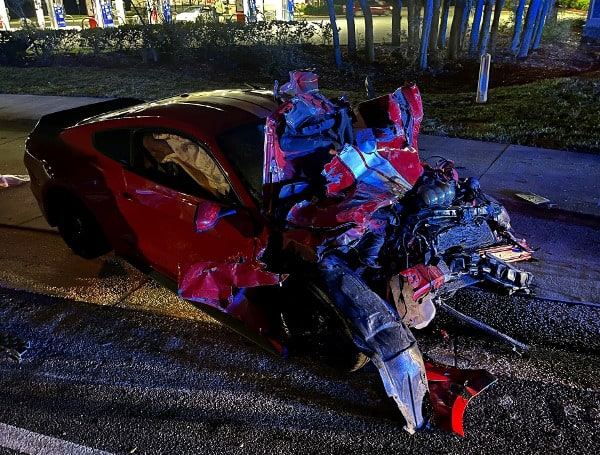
(532, 197)
(387, 221)
(389, 343)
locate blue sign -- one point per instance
(596, 10)
(59, 12)
(107, 15)
(167, 12)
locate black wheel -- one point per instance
(80, 230)
(318, 329)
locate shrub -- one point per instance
(274, 44)
(13, 47)
(575, 4)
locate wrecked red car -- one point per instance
(306, 224)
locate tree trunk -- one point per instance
(351, 29)
(465, 21)
(443, 24)
(435, 27)
(475, 28)
(532, 12)
(518, 25)
(337, 51)
(427, 19)
(396, 23)
(552, 14)
(495, 24)
(541, 22)
(369, 39)
(485, 28)
(455, 29)
(414, 23)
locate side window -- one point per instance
(115, 144)
(183, 164)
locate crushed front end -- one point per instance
(390, 236)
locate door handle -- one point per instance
(128, 196)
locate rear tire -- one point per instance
(80, 230)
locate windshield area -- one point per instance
(244, 148)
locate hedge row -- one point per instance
(180, 42)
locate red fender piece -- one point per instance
(214, 281)
(450, 390)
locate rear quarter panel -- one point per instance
(67, 165)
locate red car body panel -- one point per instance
(151, 222)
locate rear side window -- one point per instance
(115, 144)
(181, 163)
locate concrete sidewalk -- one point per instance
(29, 108)
(569, 181)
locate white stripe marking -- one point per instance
(31, 443)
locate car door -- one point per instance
(177, 222)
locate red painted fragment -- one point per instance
(451, 390)
(214, 281)
(423, 279)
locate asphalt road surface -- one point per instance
(116, 364)
(119, 365)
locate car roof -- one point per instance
(215, 111)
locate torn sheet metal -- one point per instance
(385, 153)
(451, 390)
(356, 208)
(377, 207)
(214, 282)
(302, 133)
(390, 343)
(363, 163)
(412, 289)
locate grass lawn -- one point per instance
(560, 113)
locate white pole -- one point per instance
(484, 76)
(279, 10)
(120, 11)
(98, 13)
(4, 16)
(52, 14)
(39, 13)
